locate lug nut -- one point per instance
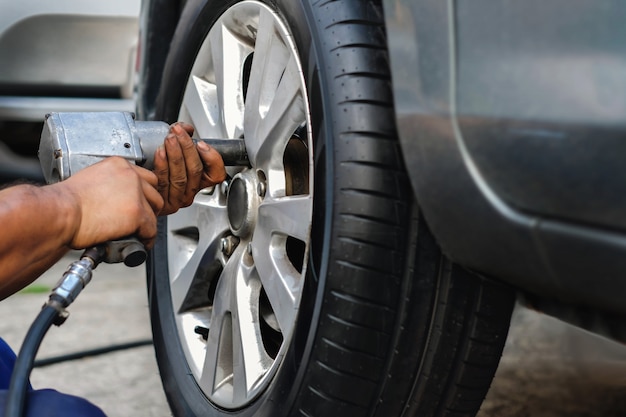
(260, 189)
(207, 191)
(224, 186)
(229, 244)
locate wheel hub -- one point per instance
(243, 203)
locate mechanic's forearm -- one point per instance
(37, 226)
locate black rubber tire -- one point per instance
(387, 325)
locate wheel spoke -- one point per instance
(182, 282)
(212, 375)
(212, 220)
(184, 218)
(201, 106)
(284, 116)
(206, 215)
(207, 246)
(279, 219)
(281, 281)
(285, 216)
(182, 230)
(266, 57)
(235, 310)
(228, 78)
(218, 363)
(275, 104)
(247, 341)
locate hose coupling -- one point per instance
(77, 276)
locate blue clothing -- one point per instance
(45, 402)
(7, 362)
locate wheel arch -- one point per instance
(575, 263)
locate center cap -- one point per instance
(242, 203)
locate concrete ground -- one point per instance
(548, 369)
(112, 309)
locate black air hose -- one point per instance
(18, 387)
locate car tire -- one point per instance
(383, 324)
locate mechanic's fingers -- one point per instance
(149, 187)
(182, 169)
(186, 127)
(162, 172)
(147, 231)
(193, 164)
(214, 171)
(177, 172)
(153, 197)
(147, 175)
(152, 204)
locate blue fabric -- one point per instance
(51, 403)
(44, 402)
(7, 362)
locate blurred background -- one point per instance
(65, 55)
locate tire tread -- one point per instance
(371, 180)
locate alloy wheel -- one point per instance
(237, 255)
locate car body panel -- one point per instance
(541, 104)
(519, 182)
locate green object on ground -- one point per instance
(36, 289)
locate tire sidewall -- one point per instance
(184, 395)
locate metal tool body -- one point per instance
(73, 141)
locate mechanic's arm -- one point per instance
(109, 200)
(105, 201)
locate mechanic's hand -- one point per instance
(111, 200)
(183, 168)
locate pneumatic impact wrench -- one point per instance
(70, 142)
(73, 141)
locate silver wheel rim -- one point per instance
(237, 256)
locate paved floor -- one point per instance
(548, 369)
(112, 309)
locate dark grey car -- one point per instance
(414, 163)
